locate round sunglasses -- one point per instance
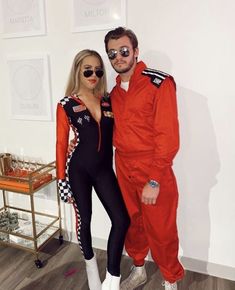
(124, 51)
(89, 72)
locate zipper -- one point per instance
(98, 123)
(99, 142)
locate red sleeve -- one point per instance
(62, 137)
(166, 129)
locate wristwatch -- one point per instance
(153, 183)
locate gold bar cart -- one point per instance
(35, 228)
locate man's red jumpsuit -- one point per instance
(146, 138)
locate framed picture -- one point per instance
(88, 15)
(29, 87)
(20, 18)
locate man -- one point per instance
(146, 139)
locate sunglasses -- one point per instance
(124, 51)
(89, 72)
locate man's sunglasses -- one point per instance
(124, 51)
(89, 72)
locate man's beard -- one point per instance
(126, 69)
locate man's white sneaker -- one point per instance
(169, 286)
(136, 278)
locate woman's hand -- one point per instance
(71, 146)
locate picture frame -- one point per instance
(91, 15)
(22, 18)
(29, 86)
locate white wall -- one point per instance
(195, 42)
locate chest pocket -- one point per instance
(140, 105)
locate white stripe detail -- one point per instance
(157, 71)
(154, 74)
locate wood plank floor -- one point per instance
(64, 269)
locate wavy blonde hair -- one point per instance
(73, 83)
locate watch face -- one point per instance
(153, 183)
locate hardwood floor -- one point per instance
(64, 269)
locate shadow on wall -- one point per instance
(196, 167)
(156, 60)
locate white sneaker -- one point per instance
(169, 286)
(93, 274)
(136, 278)
(111, 282)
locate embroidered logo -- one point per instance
(79, 120)
(108, 114)
(157, 81)
(86, 117)
(79, 108)
(105, 104)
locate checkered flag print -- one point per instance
(64, 101)
(64, 189)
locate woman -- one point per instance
(86, 110)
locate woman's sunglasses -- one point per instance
(124, 51)
(89, 72)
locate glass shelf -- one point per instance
(22, 234)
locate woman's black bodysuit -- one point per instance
(90, 165)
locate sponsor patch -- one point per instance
(79, 108)
(108, 114)
(157, 81)
(105, 104)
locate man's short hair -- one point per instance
(118, 33)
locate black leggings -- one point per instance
(107, 189)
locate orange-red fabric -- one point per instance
(62, 138)
(146, 139)
(146, 120)
(153, 227)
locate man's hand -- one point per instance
(71, 145)
(149, 194)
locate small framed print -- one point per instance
(29, 87)
(21, 18)
(89, 15)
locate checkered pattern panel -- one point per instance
(64, 101)
(78, 225)
(64, 189)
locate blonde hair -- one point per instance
(73, 83)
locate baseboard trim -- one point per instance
(208, 268)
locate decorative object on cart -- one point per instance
(5, 163)
(27, 229)
(8, 222)
(17, 173)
